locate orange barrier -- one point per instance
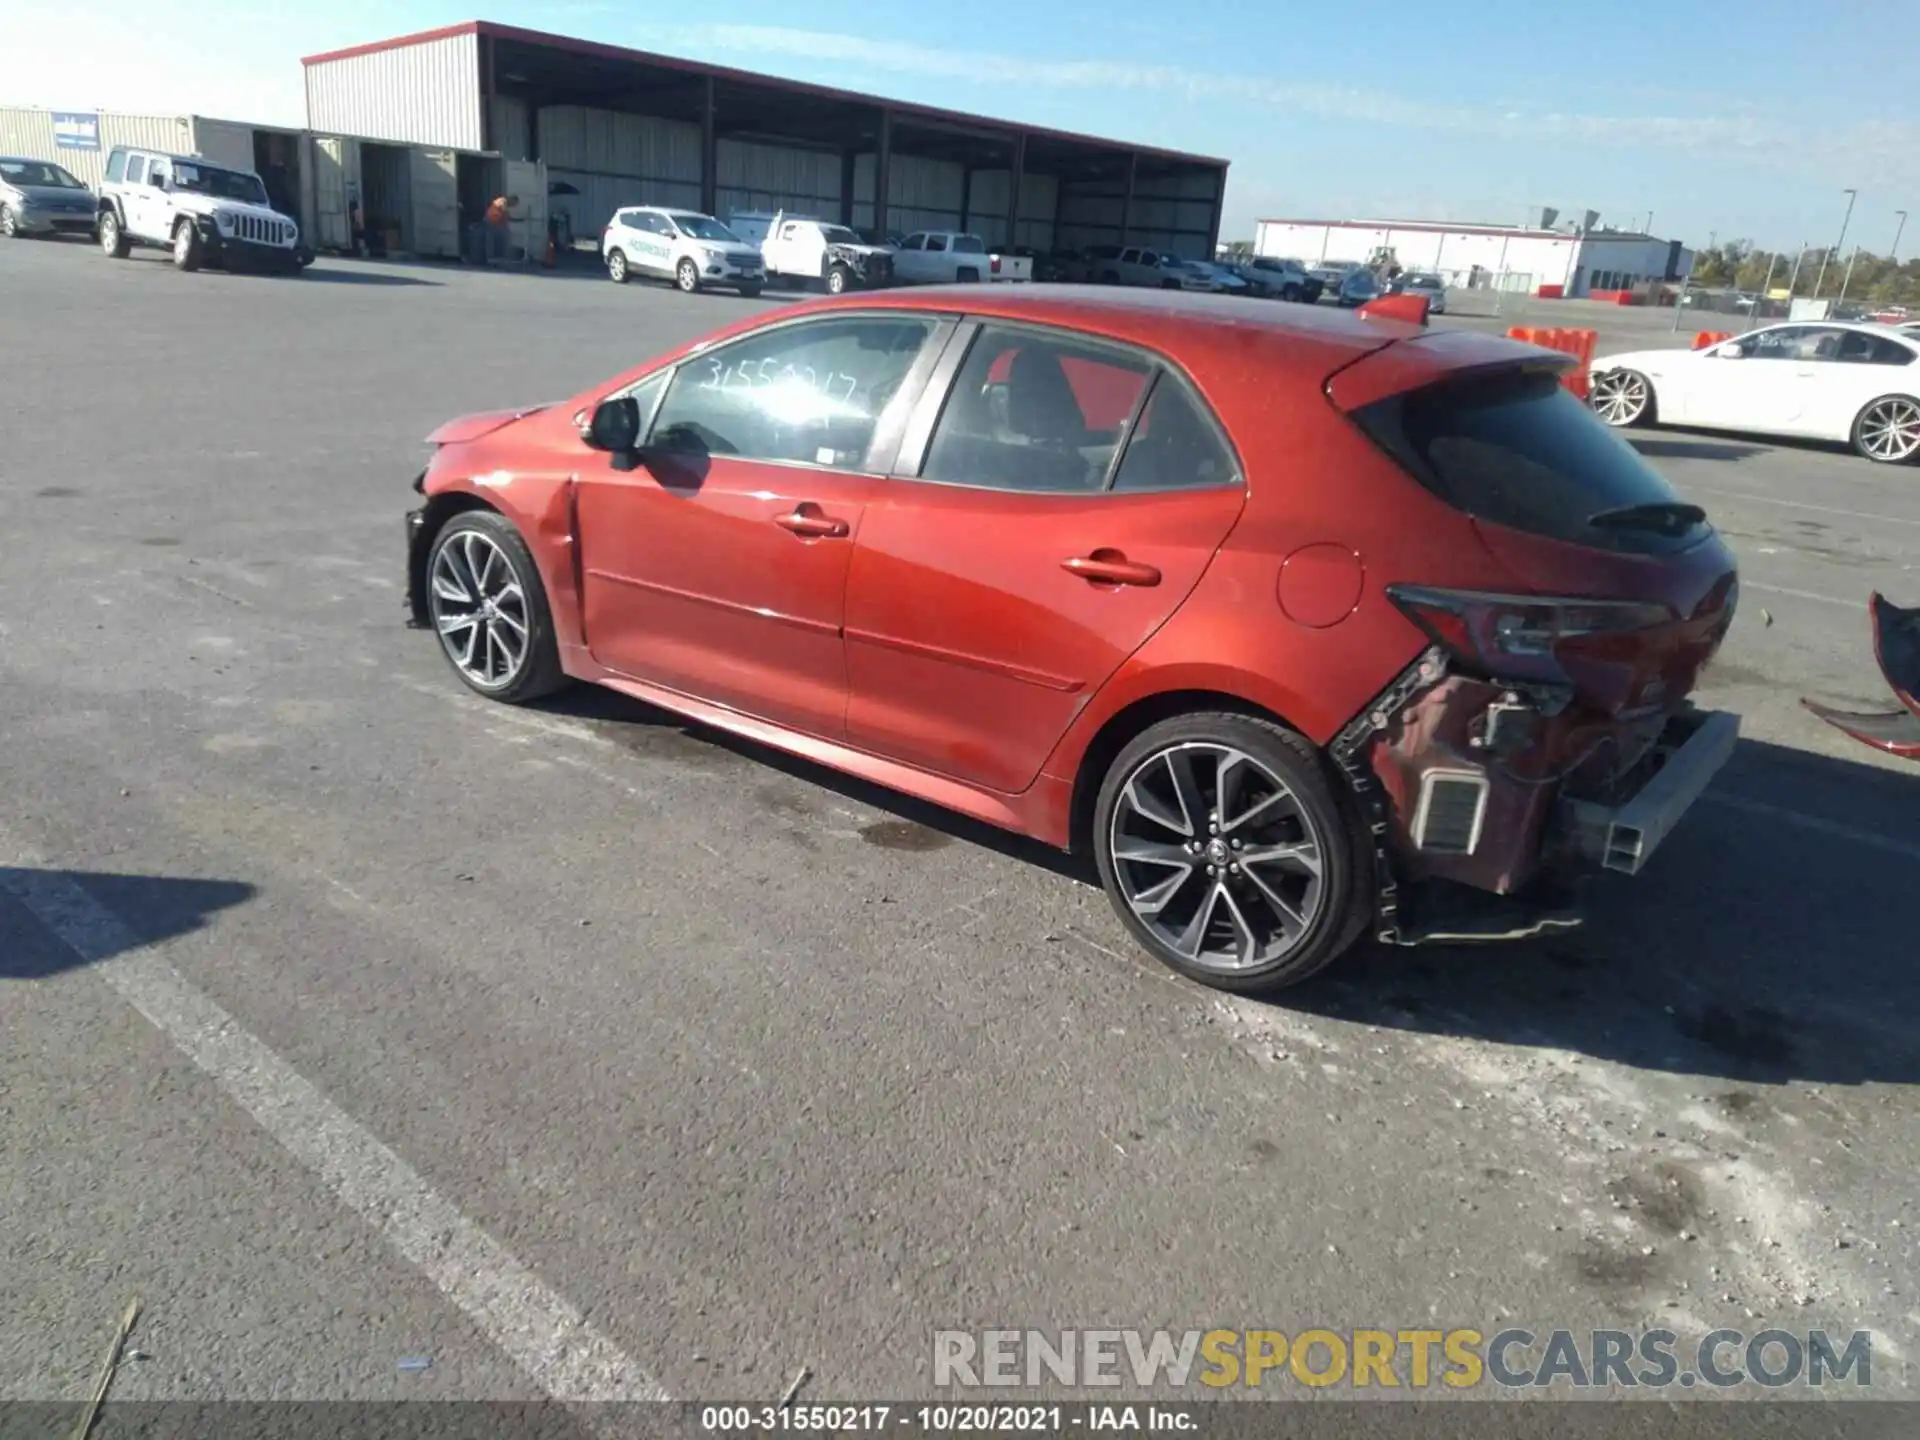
(1710, 337)
(1577, 343)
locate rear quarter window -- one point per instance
(1518, 449)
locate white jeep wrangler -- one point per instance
(204, 214)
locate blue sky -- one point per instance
(1736, 121)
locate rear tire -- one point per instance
(686, 277)
(1291, 292)
(187, 248)
(1250, 901)
(617, 266)
(967, 275)
(113, 239)
(1887, 430)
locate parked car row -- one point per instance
(697, 251)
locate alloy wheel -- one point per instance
(1890, 430)
(8, 226)
(617, 266)
(1620, 397)
(183, 243)
(109, 233)
(688, 277)
(479, 609)
(1216, 855)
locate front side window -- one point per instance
(838, 235)
(805, 394)
(914, 242)
(1780, 343)
(116, 167)
(136, 169)
(1035, 411)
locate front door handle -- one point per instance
(807, 521)
(1110, 567)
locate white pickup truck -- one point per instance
(946, 257)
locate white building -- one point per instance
(1516, 258)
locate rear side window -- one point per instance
(1518, 449)
(1174, 447)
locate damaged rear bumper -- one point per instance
(1896, 645)
(1490, 807)
(1623, 837)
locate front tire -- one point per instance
(489, 608)
(751, 292)
(686, 276)
(1225, 850)
(617, 266)
(113, 239)
(9, 223)
(187, 247)
(838, 279)
(1887, 431)
(1622, 398)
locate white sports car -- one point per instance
(1819, 380)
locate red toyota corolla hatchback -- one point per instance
(1307, 625)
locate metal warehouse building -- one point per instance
(426, 125)
(1572, 260)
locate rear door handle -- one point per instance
(1109, 567)
(807, 521)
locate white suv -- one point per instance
(203, 213)
(683, 246)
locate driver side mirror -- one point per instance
(615, 428)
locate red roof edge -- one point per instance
(399, 42)
(619, 52)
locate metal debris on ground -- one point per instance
(794, 1388)
(112, 1364)
(415, 1362)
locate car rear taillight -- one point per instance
(994, 264)
(1521, 637)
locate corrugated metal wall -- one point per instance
(751, 176)
(224, 142)
(29, 133)
(1173, 214)
(987, 208)
(423, 94)
(922, 194)
(614, 159)
(512, 128)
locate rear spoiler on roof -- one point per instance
(1423, 357)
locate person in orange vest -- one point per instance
(499, 217)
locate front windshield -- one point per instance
(37, 172)
(839, 235)
(221, 184)
(705, 227)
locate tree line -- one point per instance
(1877, 279)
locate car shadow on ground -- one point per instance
(153, 908)
(1769, 941)
(1656, 448)
(656, 734)
(340, 274)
